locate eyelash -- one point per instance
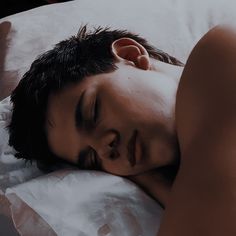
(94, 162)
(95, 111)
(92, 121)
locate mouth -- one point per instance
(132, 148)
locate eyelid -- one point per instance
(89, 103)
(92, 108)
(79, 111)
(96, 110)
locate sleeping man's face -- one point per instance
(120, 122)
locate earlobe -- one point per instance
(127, 49)
(143, 62)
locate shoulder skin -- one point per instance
(203, 197)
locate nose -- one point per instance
(106, 145)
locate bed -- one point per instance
(75, 202)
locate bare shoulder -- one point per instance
(203, 197)
(207, 90)
(206, 108)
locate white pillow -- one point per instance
(85, 203)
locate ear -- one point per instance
(130, 50)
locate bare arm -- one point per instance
(203, 197)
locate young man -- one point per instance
(100, 100)
(107, 100)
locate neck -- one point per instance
(173, 71)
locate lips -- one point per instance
(131, 148)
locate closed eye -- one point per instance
(78, 112)
(96, 109)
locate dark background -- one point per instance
(9, 7)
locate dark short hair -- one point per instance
(70, 61)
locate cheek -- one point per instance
(127, 111)
(129, 103)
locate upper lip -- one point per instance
(131, 148)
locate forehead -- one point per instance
(62, 103)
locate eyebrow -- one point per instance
(79, 112)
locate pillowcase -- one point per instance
(75, 202)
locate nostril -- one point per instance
(113, 143)
(114, 154)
